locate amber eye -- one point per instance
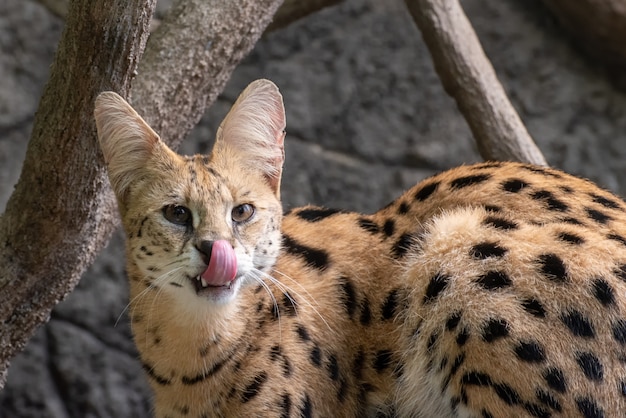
(177, 214)
(242, 213)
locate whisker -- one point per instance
(285, 289)
(163, 277)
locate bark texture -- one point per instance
(61, 212)
(468, 76)
(189, 59)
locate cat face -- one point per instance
(198, 227)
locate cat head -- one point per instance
(198, 227)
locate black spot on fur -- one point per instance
(318, 259)
(390, 304)
(598, 216)
(403, 208)
(485, 250)
(499, 223)
(534, 307)
(619, 331)
(285, 406)
(382, 360)
(348, 295)
(492, 208)
(539, 170)
(402, 245)
(622, 387)
(495, 329)
(163, 381)
(493, 280)
(458, 362)
(200, 377)
(317, 214)
(275, 352)
(578, 324)
(432, 340)
(536, 410)
(357, 365)
(588, 408)
(591, 366)
(620, 272)
(617, 238)
(453, 321)
(551, 202)
(462, 337)
(572, 221)
(303, 333)
(466, 181)
(530, 351)
(316, 356)
(368, 225)
(389, 227)
(437, 284)
(553, 267)
(476, 379)
(366, 313)
(507, 393)
(333, 367)
(603, 291)
(342, 391)
(425, 192)
(555, 379)
(571, 238)
(485, 414)
(514, 185)
(547, 399)
(254, 387)
(607, 203)
(289, 304)
(306, 410)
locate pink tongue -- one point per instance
(222, 266)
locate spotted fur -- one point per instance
(492, 290)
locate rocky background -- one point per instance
(367, 118)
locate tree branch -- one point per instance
(293, 10)
(62, 212)
(468, 76)
(190, 57)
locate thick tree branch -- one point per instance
(190, 57)
(61, 211)
(468, 76)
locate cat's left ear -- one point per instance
(254, 131)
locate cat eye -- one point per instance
(242, 213)
(177, 214)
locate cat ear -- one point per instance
(126, 140)
(254, 131)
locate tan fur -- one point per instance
(469, 296)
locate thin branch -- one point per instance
(468, 76)
(293, 10)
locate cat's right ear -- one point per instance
(126, 140)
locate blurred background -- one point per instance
(366, 118)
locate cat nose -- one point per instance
(205, 249)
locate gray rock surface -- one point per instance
(367, 118)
